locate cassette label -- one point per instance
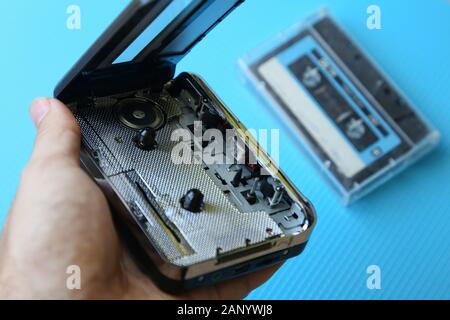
(360, 134)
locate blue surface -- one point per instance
(403, 227)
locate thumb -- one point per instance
(58, 134)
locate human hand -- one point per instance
(61, 218)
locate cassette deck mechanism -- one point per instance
(186, 220)
(242, 207)
(353, 120)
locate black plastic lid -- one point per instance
(142, 47)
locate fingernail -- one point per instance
(39, 109)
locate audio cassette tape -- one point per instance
(351, 118)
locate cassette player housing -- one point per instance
(187, 224)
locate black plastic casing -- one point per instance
(96, 75)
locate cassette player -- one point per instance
(191, 212)
(350, 117)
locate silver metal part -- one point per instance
(277, 197)
(227, 223)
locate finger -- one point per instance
(58, 134)
(241, 287)
(257, 279)
(234, 289)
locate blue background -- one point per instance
(402, 227)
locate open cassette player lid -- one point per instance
(142, 47)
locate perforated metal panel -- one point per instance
(220, 225)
